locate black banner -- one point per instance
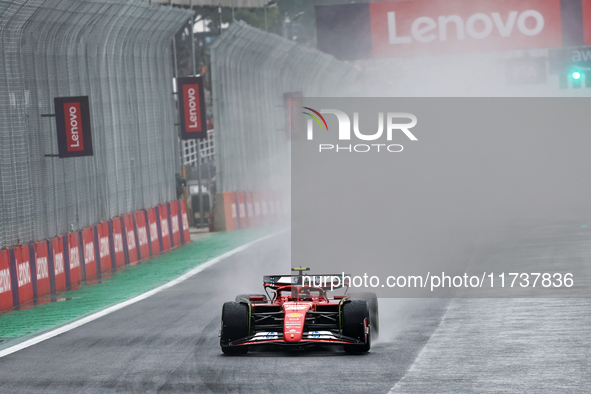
(72, 119)
(192, 108)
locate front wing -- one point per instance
(308, 338)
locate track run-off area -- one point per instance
(168, 341)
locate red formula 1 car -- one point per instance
(297, 311)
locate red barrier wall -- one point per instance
(102, 231)
(258, 218)
(164, 232)
(59, 269)
(264, 208)
(242, 221)
(5, 286)
(272, 211)
(42, 269)
(118, 242)
(130, 239)
(23, 274)
(74, 258)
(142, 235)
(185, 219)
(154, 235)
(88, 254)
(249, 209)
(230, 211)
(174, 218)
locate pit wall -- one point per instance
(30, 274)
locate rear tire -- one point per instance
(234, 326)
(354, 313)
(372, 303)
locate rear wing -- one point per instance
(324, 281)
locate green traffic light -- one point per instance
(576, 75)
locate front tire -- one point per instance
(372, 303)
(355, 314)
(235, 316)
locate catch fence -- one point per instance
(119, 54)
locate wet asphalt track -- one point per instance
(169, 343)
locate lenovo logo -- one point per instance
(118, 242)
(192, 121)
(104, 247)
(74, 257)
(74, 137)
(130, 240)
(5, 281)
(59, 263)
(153, 232)
(402, 28)
(175, 224)
(42, 268)
(164, 227)
(89, 252)
(478, 26)
(142, 235)
(24, 274)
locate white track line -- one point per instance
(114, 308)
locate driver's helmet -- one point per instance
(304, 294)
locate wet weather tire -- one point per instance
(235, 317)
(372, 303)
(354, 313)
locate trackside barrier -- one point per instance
(163, 227)
(57, 269)
(249, 209)
(30, 272)
(130, 240)
(172, 244)
(264, 208)
(73, 266)
(186, 235)
(230, 211)
(272, 211)
(116, 238)
(20, 267)
(6, 302)
(239, 210)
(173, 208)
(102, 244)
(242, 221)
(41, 281)
(91, 265)
(155, 242)
(257, 209)
(142, 235)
